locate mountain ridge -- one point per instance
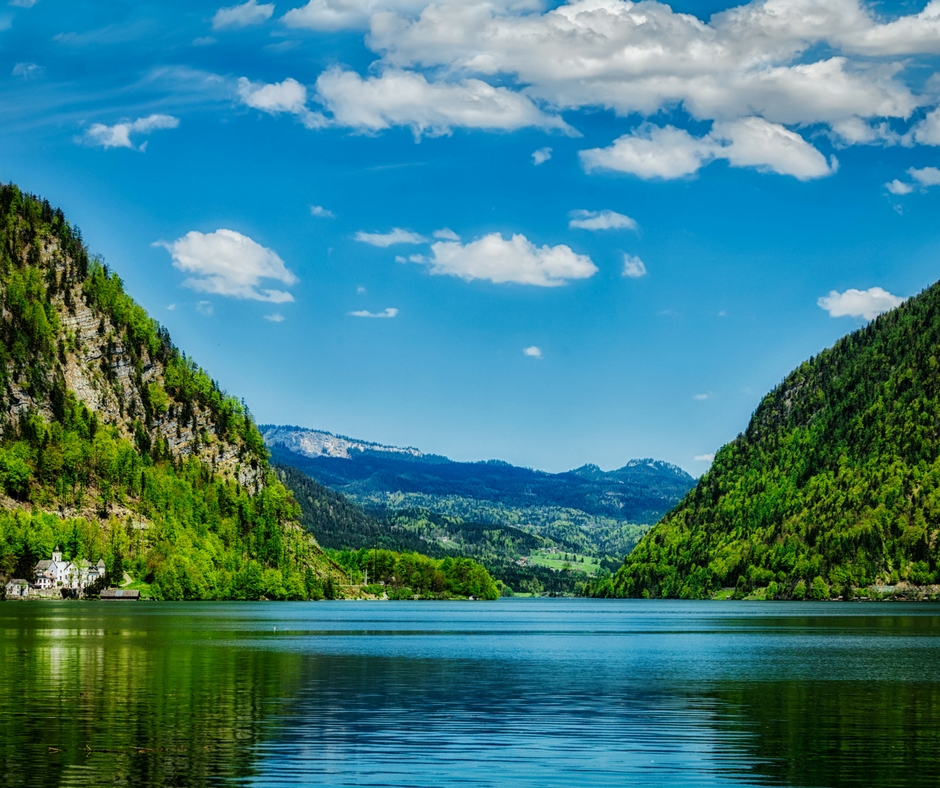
(833, 486)
(117, 446)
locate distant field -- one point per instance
(559, 560)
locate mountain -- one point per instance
(834, 486)
(116, 446)
(532, 530)
(373, 474)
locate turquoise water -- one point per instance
(518, 692)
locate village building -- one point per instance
(18, 589)
(56, 574)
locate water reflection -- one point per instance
(537, 693)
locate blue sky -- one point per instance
(548, 233)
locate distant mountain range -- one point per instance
(515, 521)
(641, 491)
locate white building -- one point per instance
(56, 574)
(17, 589)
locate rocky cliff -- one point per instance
(116, 444)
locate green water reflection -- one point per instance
(539, 693)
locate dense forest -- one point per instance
(415, 576)
(116, 446)
(340, 524)
(834, 485)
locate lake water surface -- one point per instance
(539, 692)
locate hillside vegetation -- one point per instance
(340, 525)
(115, 445)
(834, 486)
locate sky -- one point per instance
(552, 234)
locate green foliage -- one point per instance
(407, 575)
(175, 523)
(837, 477)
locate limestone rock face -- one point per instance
(100, 371)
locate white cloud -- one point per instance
(388, 312)
(288, 97)
(446, 234)
(601, 220)
(119, 135)
(323, 213)
(515, 260)
(171, 307)
(243, 15)
(533, 351)
(667, 152)
(23, 3)
(404, 98)
(753, 142)
(27, 70)
(652, 152)
(228, 263)
(899, 187)
(633, 267)
(867, 304)
(755, 59)
(395, 236)
(277, 317)
(361, 290)
(205, 308)
(702, 397)
(333, 15)
(926, 176)
(704, 457)
(541, 156)
(927, 132)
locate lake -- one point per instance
(519, 692)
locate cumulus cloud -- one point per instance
(541, 156)
(404, 98)
(654, 152)
(395, 236)
(927, 132)
(704, 457)
(228, 263)
(633, 267)
(600, 220)
(755, 59)
(386, 313)
(288, 97)
(899, 187)
(323, 213)
(119, 135)
(532, 351)
(753, 142)
(926, 176)
(515, 260)
(243, 15)
(333, 15)
(446, 234)
(867, 304)
(277, 317)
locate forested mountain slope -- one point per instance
(115, 445)
(834, 485)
